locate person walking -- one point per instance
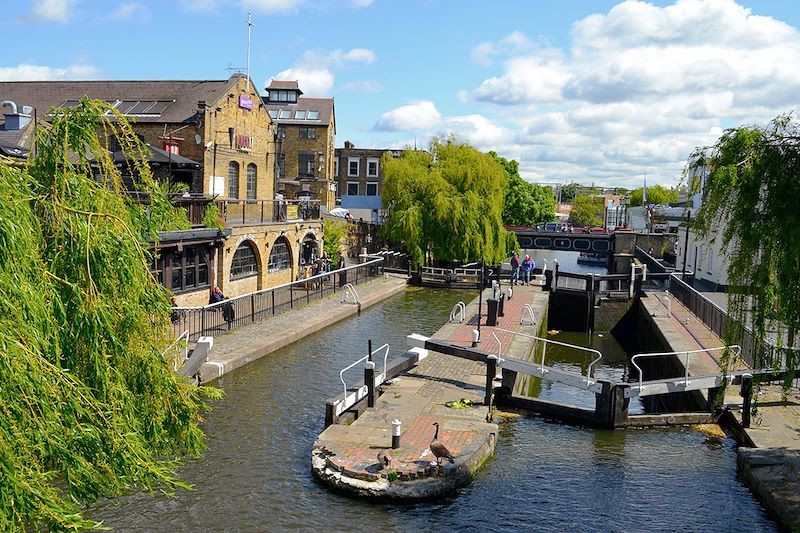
(340, 264)
(527, 267)
(514, 268)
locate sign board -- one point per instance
(291, 212)
(217, 185)
(245, 102)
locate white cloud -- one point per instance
(27, 72)
(639, 87)
(362, 86)
(52, 10)
(271, 6)
(336, 58)
(421, 115)
(313, 82)
(131, 11)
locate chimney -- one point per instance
(348, 145)
(15, 120)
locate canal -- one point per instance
(255, 474)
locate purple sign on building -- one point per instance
(245, 102)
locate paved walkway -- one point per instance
(246, 344)
(418, 399)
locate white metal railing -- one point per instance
(667, 306)
(527, 309)
(349, 294)
(499, 344)
(687, 353)
(182, 337)
(349, 400)
(459, 311)
(543, 369)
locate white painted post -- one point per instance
(476, 337)
(396, 433)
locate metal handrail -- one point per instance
(185, 348)
(529, 309)
(365, 359)
(499, 344)
(349, 290)
(686, 366)
(559, 343)
(461, 308)
(667, 306)
(385, 356)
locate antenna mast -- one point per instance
(250, 27)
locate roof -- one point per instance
(323, 105)
(172, 100)
(287, 85)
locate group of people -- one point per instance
(523, 269)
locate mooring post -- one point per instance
(500, 304)
(369, 380)
(396, 433)
(476, 338)
(746, 393)
(369, 349)
(491, 372)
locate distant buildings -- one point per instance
(359, 179)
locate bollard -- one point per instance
(395, 434)
(369, 381)
(510, 293)
(491, 312)
(495, 286)
(746, 393)
(500, 304)
(476, 337)
(491, 373)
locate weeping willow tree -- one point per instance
(751, 199)
(90, 408)
(446, 204)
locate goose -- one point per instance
(384, 459)
(438, 449)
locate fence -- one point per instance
(395, 261)
(263, 211)
(216, 319)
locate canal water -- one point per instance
(256, 475)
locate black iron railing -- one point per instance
(241, 212)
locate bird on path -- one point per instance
(384, 459)
(438, 449)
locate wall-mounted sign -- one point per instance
(291, 212)
(244, 143)
(217, 185)
(245, 102)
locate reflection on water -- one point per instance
(255, 475)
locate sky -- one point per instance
(588, 91)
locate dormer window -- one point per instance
(282, 95)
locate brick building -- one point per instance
(306, 132)
(359, 179)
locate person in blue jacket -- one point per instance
(527, 268)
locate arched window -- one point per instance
(279, 257)
(251, 181)
(233, 179)
(245, 261)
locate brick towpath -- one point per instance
(345, 457)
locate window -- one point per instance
(251, 181)
(308, 133)
(312, 115)
(279, 256)
(189, 269)
(285, 113)
(372, 167)
(281, 132)
(281, 165)
(372, 188)
(336, 166)
(300, 115)
(245, 262)
(710, 265)
(352, 188)
(273, 113)
(352, 166)
(305, 165)
(233, 180)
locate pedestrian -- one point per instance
(226, 308)
(514, 268)
(527, 267)
(176, 313)
(342, 272)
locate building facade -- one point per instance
(304, 137)
(359, 177)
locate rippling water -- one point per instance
(255, 475)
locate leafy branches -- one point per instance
(525, 203)
(88, 406)
(750, 201)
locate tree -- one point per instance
(569, 192)
(750, 199)
(656, 194)
(334, 231)
(446, 204)
(525, 203)
(90, 406)
(587, 211)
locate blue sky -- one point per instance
(591, 91)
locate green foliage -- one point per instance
(165, 215)
(89, 406)
(525, 203)
(212, 217)
(656, 194)
(587, 211)
(391, 475)
(750, 201)
(334, 232)
(569, 192)
(446, 204)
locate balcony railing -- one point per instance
(242, 212)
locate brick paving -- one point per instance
(418, 399)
